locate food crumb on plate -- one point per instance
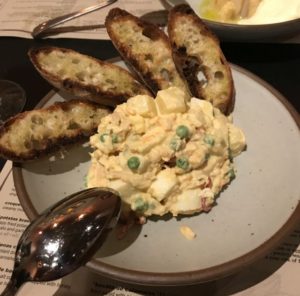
(187, 232)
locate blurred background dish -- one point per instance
(12, 99)
(247, 30)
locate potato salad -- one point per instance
(170, 154)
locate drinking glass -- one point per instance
(12, 99)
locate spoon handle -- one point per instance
(41, 28)
(11, 289)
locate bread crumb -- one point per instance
(187, 232)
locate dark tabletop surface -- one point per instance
(278, 64)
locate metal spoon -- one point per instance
(41, 28)
(158, 17)
(64, 237)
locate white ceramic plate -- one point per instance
(246, 33)
(257, 210)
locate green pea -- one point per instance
(114, 139)
(182, 132)
(133, 162)
(231, 174)
(140, 205)
(102, 137)
(208, 139)
(175, 144)
(182, 163)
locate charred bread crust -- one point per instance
(145, 48)
(32, 134)
(84, 76)
(196, 53)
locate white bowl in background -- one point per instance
(274, 32)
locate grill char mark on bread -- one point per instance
(199, 58)
(85, 76)
(36, 133)
(145, 48)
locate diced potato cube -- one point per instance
(171, 100)
(163, 185)
(143, 105)
(124, 189)
(207, 108)
(190, 200)
(237, 140)
(196, 104)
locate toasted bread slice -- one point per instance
(34, 133)
(84, 76)
(199, 58)
(145, 48)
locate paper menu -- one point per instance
(276, 275)
(19, 17)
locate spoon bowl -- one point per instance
(64, 237)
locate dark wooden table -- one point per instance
(278, 64)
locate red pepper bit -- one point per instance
(204, 206)
(207, 184)
(200, 130)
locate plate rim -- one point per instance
(186, 277)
